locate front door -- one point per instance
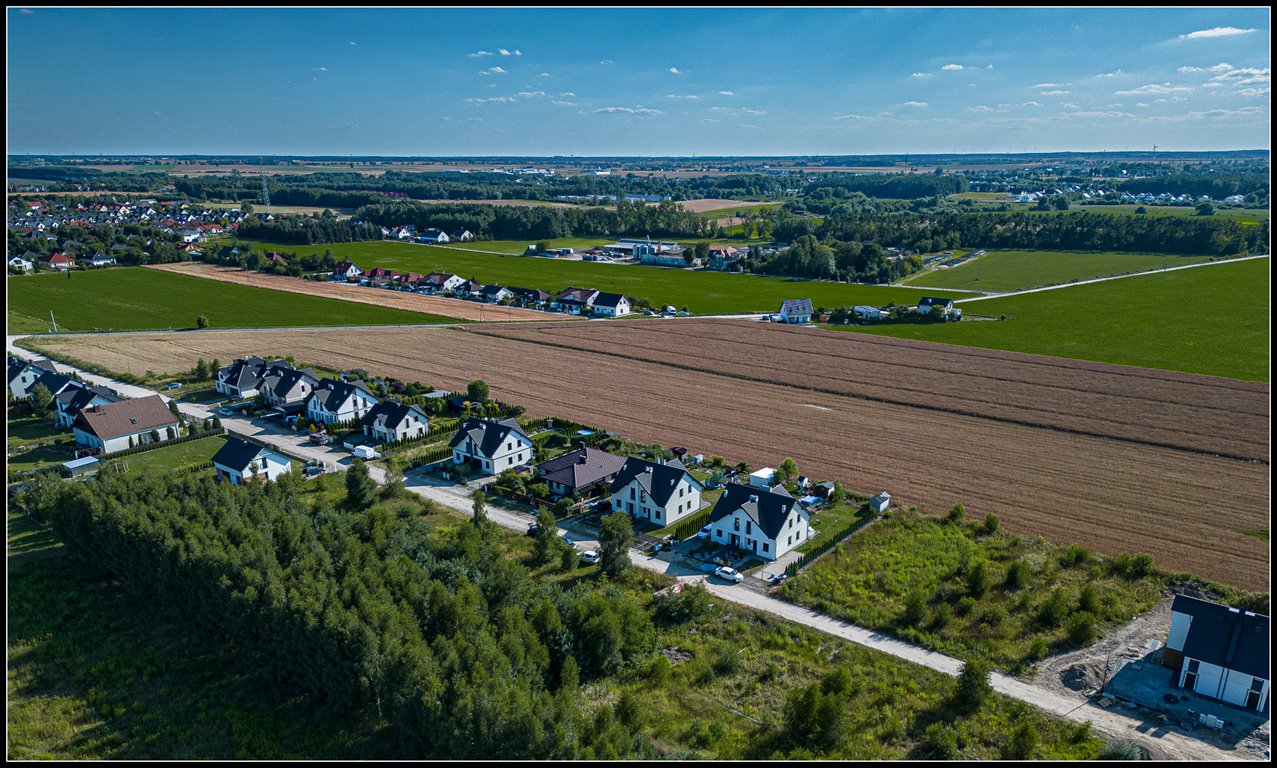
(735, 539)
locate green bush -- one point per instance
(1024, 739)
(1017, 575)
(1122, 750)
(1055, 610)
(1082, 629)
(941, 741)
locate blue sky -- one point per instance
(635, 81)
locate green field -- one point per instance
(175, 456)
(723, 213)
(702, 292)
(1241, 215)
(517, 247)
(1005, 271)
(134, 298)
(1211, 320)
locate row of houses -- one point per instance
(432, 235)
(59, 260)
(571, 300)
(192, 222)
(766, 521)
(292, 391)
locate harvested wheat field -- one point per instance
(1114, 458)
(413, 302)
(718, 204)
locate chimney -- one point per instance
(580, 459)
(753, 498)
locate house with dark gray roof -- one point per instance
(389, 421)
(334, 401)
(241, 460)
(68, 403)
(580, 472)
(490, 445)
(530, 295)
(286, 388)
(25, 374)
(661, 494)
(930, 304)
(766, 523)
(1219, 652)
(611, 304)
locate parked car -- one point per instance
(683, 314)
(590, 556)
(705, 532)
(657, 547)
(226, 411)
(172, 385)
(313, 470)
(320, 438)
(731, 574)
(779, 578)
(533, 528)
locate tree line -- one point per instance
(361, 608)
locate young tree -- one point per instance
(173, 409)
(480, 503)
(361, 489)
(394, 487)
(787, 471)
(615, 534)
(201, 321)
(41, 398)
(155, 435)
(545, 538)
(477, 391)
(973, 686)
(201, 370)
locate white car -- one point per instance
(731, 574)
(705, 532)
(590, 556)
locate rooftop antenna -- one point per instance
(1154, 148)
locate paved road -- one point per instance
(1167, 742)
(1103, 279)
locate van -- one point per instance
(364, 452)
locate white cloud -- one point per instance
(1114, 73)
(544, 74)
(1212, 85)
(1045, 85)
(674, 71)
(1069, 104)
(914, 104)
(1215, 32)
(493, 71)
(477, 54)
(607, 61)
(1030, 104)
(1253, 91)
(849, 117)
(753, 127)
(1154, 88)
(1171, 100)
(1096, 114)
(1220, 67)
(630, 110)
(319, 69)
(1142, 104)
(1056, 93)
(566, 94)
(748, 111)
(26, 11)
(529, 94)
(504, 52)
(920, 74)
(681, 96)
(726, 93)
(352, 42)
(566, 103)
(980, 108)
(710, 120)
(493, 100)
(952, 67)
(1244, 72)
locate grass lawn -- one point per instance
(133, 298)
(34, 442)
(832, 521)
(869, 578)
(1211, 320)
(1005, 271)
(702, 292)
(175, 457)
(517, 247)
(723, 213)
(1240, 215)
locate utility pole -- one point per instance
(55, 322)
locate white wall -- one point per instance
(1180, 623)
(678, 507)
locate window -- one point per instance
(736, 524)
(789, 540)
(749, 526)
(764, 547)
(1254, 694)
(632, 497)
(1190, 677)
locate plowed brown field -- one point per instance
(1114, 458)
(413, 302)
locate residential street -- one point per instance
(1164, 741)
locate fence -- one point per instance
(430, 457)
(691, 525)
(802, 561)
(163, 443)
(193, 468)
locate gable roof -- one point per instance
(767, 509)
(488, 434)
(583, 295)
(281, 379)
(388, 415)
(795, 307)
(238, 454)
(531, 294)
(73, 399)
(1224, 636)
(609, 299)
(582, 467)
(127, 417)
(929, 301)
(331, 393)
(659, 480)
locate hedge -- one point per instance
(163, 443)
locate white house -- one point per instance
(390, 421)
(20, 264)
(434, 235)
(242, 377)
(1219, 652)
(661, 494)
(879, 503)
(766, 523)
(461, 236)
(495, 293)
(287, 387)
(492, 446)
(796, 311)
(929, 304)
(611, 305)
(24, 375)
(241, 461)
(440, 282)
(100, 259)
(346, 270)
(68, 403)
(333, 401)
(115, 426)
